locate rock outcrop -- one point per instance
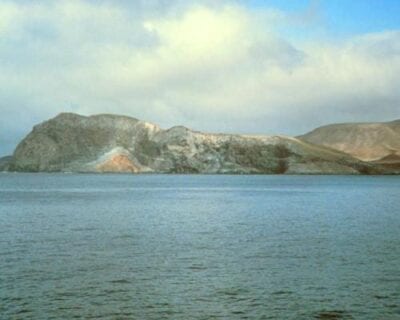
(110, 143)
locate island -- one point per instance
(107, 143)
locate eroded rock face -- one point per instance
(70, 142)
(110, 143)
(117, 163)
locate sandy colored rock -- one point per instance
(365, 141)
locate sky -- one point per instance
(234, 66)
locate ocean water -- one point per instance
(199, 247)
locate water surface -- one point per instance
(199, 247)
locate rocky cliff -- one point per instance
(110, 143)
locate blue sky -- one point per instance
(361, 16)
(262, 67)
(344, 17)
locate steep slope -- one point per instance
(365, 141)
(70, 142)
(110, 143)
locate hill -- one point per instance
(365, 141)
(112, 143)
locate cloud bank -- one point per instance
(213, 67)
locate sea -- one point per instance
(115, 246)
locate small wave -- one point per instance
(120, 281)
(198, 267)
(282, 292)
(333, 315)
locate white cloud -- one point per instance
(211, 66)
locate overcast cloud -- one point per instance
(213, 67)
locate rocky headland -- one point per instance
(111, 143)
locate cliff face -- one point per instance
(365, 141)
(109, 143)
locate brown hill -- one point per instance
(365, 141)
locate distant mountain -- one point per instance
(111, 143)
(379, 142)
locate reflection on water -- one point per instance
(199, 247)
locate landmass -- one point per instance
(119, 144)
(377, 142)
